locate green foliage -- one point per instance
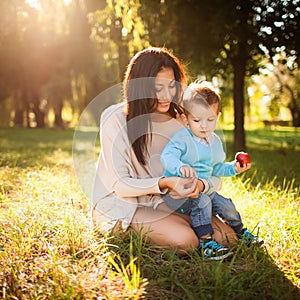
(274, 153)
(225, 38)
(48, 250)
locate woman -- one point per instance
(128, 184)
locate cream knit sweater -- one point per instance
(121, 182)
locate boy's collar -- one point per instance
(205, 141)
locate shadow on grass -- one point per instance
(250, 274)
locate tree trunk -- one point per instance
(58, 120)
(293, 105)
(123, 58)
(19, 117)
(122, 43)
(295, 116)
(38, 113)
(39, 117)
(19, 109)
(239, 73)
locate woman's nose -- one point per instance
(166, 94)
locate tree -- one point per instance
(44, 50)
(11, 69)
(289, 82)
(118, 32)
(221, 36)
(283, 85)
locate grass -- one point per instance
(49, 250)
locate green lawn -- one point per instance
(48, 249)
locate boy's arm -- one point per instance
(220, 167)
(170, 157)
(230, 168)
(225, 169)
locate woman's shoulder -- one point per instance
(114, 111)
(167, 128)
(114, 108)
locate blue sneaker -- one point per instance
(250, 239)
(211, 250)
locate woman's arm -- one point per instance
(179, 187)
(118, 168)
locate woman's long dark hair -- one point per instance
(140, 95)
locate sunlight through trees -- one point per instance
(56, 56)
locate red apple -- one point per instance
(243, 158)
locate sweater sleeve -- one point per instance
(224, 169)
(171, 154)
(117, 166)
(220, 167)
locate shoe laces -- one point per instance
(248, 234)
(213, 245)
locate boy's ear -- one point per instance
(219, 115)
(182, 119)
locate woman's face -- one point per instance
(165, 87)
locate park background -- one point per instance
(57, 56)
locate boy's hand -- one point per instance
(187, 171)
(179, 187)
(240, 169)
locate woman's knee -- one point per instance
(223, 233)
(172, 233)
(182, 241)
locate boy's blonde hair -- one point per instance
(201, 93)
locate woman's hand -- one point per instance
(179, 187)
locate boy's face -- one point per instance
(202, 120)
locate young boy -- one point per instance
(196, 151)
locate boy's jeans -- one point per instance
(202, 209)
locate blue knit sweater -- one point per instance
(207, 159)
